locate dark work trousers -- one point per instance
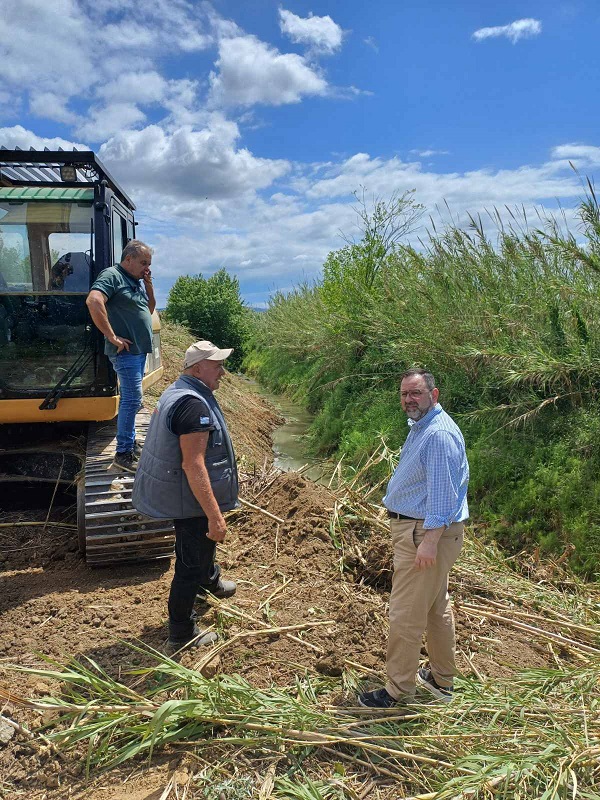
(195, 571)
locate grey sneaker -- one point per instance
(125, 461)
(379, 698)
(428, 682)
(221, 591)
(198, 639)
(137, 449)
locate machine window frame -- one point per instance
(119, 232)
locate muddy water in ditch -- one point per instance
(290, 439)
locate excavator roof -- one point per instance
(47, 193)
(56, 168)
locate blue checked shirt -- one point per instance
(430, 481)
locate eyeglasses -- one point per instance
(416, 394)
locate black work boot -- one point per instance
(125, 461)
(221, 591)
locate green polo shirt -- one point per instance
(127, 309)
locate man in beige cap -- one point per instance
(187, 472)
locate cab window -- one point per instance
(119, 232)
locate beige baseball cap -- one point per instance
(204, 351)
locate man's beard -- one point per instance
(417, 413)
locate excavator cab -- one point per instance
(63, 219)
(44, 325)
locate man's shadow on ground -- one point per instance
(19, 587)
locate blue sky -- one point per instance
(242, 129)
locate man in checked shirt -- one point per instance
(426, 500)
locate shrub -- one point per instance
(212, 309)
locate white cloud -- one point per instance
(18, 136)
(348, 92)
(99, 67)
(462, 190)
(51, 106)
(186, 164)
(181, 101)
(123, 34)
(10, 106)
(514, 31)
(262, 247)
(86, 48)
(586, 155)
(145, 87)
(321, 34)
(166, 25)
(104, 121)
(35, 38)
(194, 41)
(250, 72)
(429, 153)
(220, 27)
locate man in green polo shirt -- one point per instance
(122, 310)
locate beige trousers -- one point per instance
(419, 601)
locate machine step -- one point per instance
(111, 531)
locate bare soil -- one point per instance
(52, 604)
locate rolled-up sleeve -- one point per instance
(442, 461)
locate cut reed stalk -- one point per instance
(572, 644)
(36, 524)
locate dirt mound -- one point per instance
(296, 564)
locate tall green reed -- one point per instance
(505, 320)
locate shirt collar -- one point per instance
(424, 421)
(129, 277)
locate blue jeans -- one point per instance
(130, 371)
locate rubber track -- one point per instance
(115, 533)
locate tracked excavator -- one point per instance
(63, 219)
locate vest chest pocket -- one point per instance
(215, 437)
(217, 461)
(222, 487)
(218, 472)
